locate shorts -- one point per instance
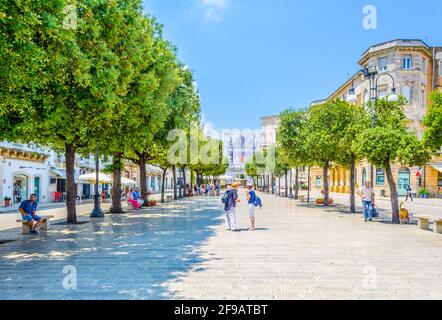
(251, 211)
(30, 219)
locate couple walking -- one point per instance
(231, 199)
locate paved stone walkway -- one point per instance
(305, 252)
(182, 250)
(120, 257)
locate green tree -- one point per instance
(83, 74)
(354, 120)
(153, 110)
(390, 142)
(322, 134)
(433, 122)
(292, 142)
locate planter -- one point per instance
(321, 202)
(7, 202)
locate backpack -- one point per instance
(257, 202)
(226, 197)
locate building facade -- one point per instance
(417, 71)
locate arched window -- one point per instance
(406, 92)
(364, 176)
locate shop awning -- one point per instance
(61, 174)
(437, 165)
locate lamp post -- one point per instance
(97, 212)
(180, 180)
(371, 73)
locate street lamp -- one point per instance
(97, 212)
(371, 73)
(180, 179)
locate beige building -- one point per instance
(416, 70)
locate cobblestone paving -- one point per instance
(182, 250)
(120, 257)
(305, 252)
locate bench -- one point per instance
(44, 226)
(424, 222)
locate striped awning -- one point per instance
(436, 165)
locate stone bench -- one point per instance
(44, 226)
(424, 222)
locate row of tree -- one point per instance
(75, 75)
(336, 133)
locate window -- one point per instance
(318, 181)
(406, 92)
(440, 180)
(440, 68)
(382, 93)
(380, 177)
(424, 65)
(407, 62)
(383, 64)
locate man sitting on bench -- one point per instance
(27, 210)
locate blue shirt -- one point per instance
(28, 207)
(136, 195)
(252, 195)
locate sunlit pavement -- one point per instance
(182, 250)
(120, 257)
(303, 252)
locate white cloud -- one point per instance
(213, 10)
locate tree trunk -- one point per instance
(286, 193)
(393, 194)
(297, 183)
(163, 186)
(353, 184)
(279, 186)
(175, 187)
(308, 184)
(116, 186)
(183, 170)
(71, 196)
(143, 182)
(326, 187)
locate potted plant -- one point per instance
(424, 193)
(152, 203)
(7, 201)
(321, 201)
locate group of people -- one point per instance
(133, 197)
(231, 199)
(211, 189)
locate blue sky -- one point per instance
(257, 57)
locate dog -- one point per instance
(404, 215)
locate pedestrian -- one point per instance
(131, 199)
(28, 209)
(230, 201)
(409, 193)
(368, 201)
(251, 198)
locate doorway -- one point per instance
(37, 188)
(404, 179)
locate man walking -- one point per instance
(367, 196)
(409, 193)
(251, 197)
(230, 207)
(27, 210)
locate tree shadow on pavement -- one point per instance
(120, 257)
